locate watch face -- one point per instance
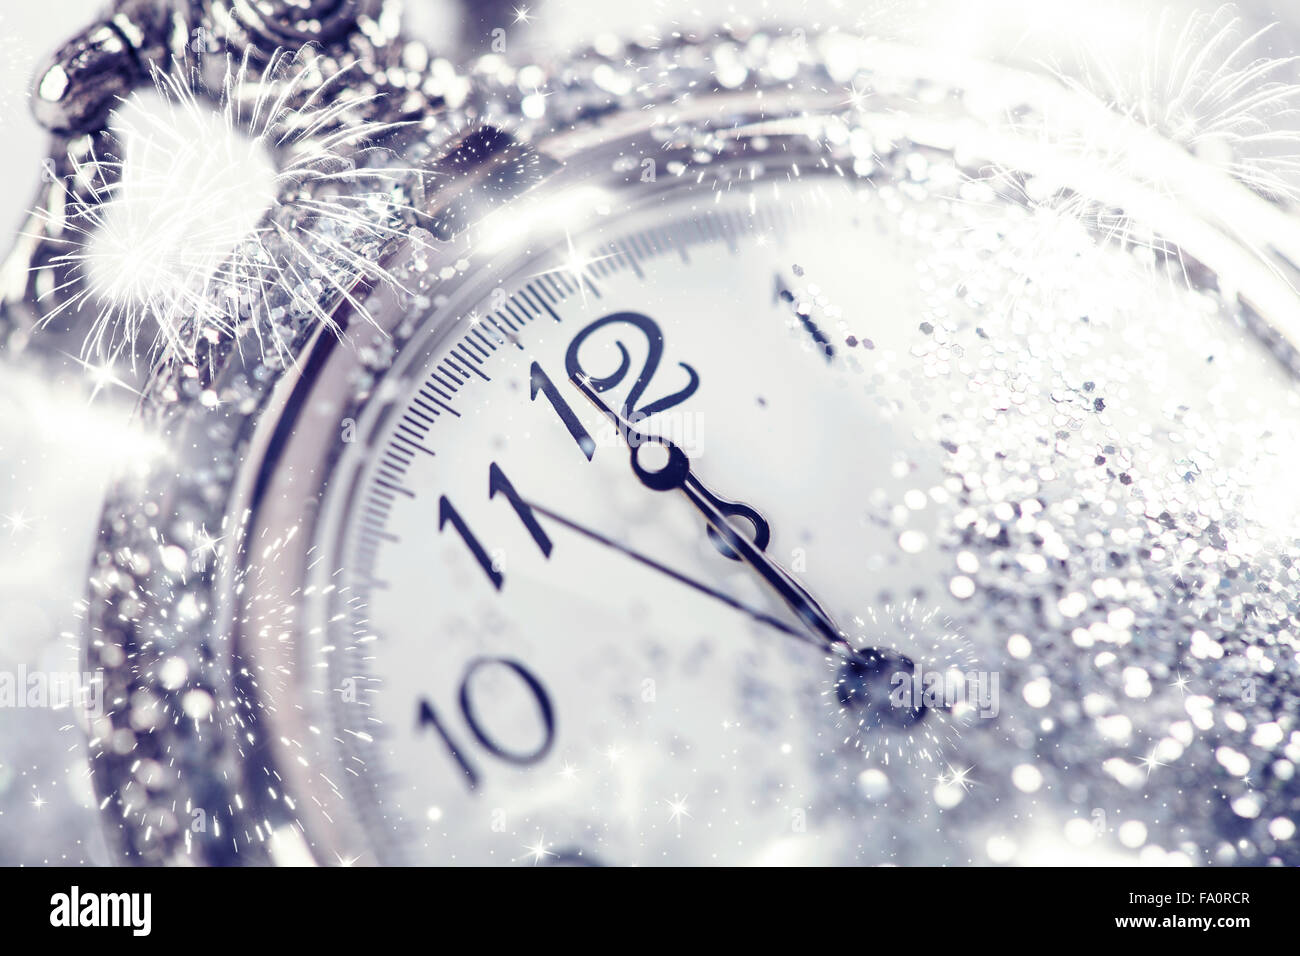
(547, 649)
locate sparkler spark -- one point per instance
(215, 698)
(930, 640)
(194, 222)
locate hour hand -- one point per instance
(676, 475)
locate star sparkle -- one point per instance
(18, 521)
(537, 851)
(677, 809)
(1150, 763)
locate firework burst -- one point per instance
(1193, 84)
(1200, 85)
(192, 218)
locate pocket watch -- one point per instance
(754, 445)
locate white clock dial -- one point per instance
(556, 652)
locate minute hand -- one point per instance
(677, 475)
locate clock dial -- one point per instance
(558, 644)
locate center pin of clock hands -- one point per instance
(677, 475)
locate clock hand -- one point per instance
(676, 575)
(864, 671)
(677, 475)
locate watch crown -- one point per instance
(81, 81)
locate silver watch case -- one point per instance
(175, 619)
